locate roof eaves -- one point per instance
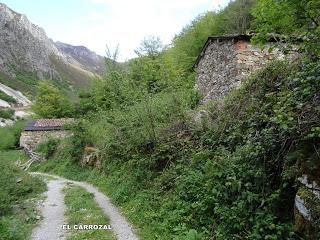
(33, 128)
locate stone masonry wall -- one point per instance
(226, 63)
(30, 139)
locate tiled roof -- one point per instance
(47, 124)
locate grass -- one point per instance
(7, 98)
(10, 135)
(7, 113)
(19, 224)
(26, 82)
(82, 209)
(10, 156)
(18, 198)
(70, 74)
(137, 209)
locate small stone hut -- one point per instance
(38, 131)
(226, 60)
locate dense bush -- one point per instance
(233, 178)
(49, 147)
(262, 133)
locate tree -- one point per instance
(236, 17)
(150, 46)
(51, 103)
(292, 19)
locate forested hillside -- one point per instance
(232, 175)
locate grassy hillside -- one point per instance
(76, 77)
(71, 79)
(24, 82)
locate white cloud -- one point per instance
(127, 22)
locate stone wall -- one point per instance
(30, 139)
(226, 63)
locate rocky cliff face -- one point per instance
(25, 47)
(23, 44)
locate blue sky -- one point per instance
(95, 23)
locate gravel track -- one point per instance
(122, 229)
(52, 210)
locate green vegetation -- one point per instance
(234, 19)
(18, 195)
(49, 147)
(51, 103)
(71, 75)
(231, 176)
(19, 191)
(7, 98)
(25, 82)
(10, 136)
(291, 19)
(7, 113)
(222, 175)
(82, 209)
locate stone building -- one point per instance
(40, 130)
(225, 61)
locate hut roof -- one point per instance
(47, 124)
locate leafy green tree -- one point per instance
(291, 18)
(51, 103)
(236, 17)
(187, 44)
(150, 46)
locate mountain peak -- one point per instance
(25, 47)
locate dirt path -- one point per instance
(121, 228)
(53, 214)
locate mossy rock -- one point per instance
(308, 227)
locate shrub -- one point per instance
(10, 135)
(16, 184)
(7, 113)
(49, 147)
(234, 179)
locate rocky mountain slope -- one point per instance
(87, 58)
(27, 55)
